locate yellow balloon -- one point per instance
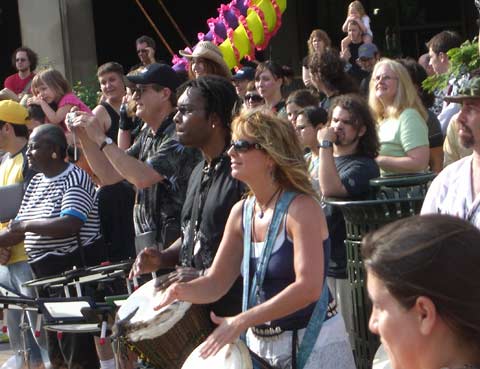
(255, 25)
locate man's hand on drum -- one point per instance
(228, 330)
(181, 274)
(148, 260)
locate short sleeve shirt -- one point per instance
(399, 135)
(451, 193)
(355, 173)
(71, 193)
(16, 84)
(160, 204)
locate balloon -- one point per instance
(241, 27)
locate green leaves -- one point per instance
(463, 60)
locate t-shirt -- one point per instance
(435, 135)
(399, 135)
(355, 173)
(72, 193)
(16, 84)
(158, 207)
(355, 71)
(451, 193)
(14, 169)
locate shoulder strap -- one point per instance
(313, 328)
(27, 87)
(250, 293)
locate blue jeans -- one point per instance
(12, 277)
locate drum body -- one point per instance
(166, 337)
(232, 356)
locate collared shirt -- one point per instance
(159, 206)
(451, 193)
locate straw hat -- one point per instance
(208, 50)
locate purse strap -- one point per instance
(250, 293)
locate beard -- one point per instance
(467, 140)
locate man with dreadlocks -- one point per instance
(204, 114)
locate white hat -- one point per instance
(208, 50)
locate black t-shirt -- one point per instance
(355, 71)
(218, 191)
(435, 135)
(355, 172)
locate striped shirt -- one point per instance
(72, 193)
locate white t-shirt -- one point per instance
(451, 193)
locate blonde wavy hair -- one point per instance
(406, 96)
(277, 137)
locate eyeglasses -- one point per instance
(384, 78)
(20, 59)
(244, 146)
(140, 89)
(253, 97)
(187, 109)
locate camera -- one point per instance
(70, 118)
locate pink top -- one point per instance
(71, 99)
(16, 84)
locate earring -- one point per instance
(213, 126)
(54, 155)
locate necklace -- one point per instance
(262, 210)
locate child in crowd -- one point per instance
(356, 12)
(49, 86)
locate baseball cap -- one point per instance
(367, 51)
(469, 91)
(160, 74)
(12, 112)
(245, 73)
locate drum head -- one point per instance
(73, 328)
(148, 323)
(231, 356)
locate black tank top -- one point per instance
(114, 119)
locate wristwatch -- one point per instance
(106, 141)
(325, 144)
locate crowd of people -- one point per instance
(221, 176)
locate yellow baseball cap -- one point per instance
(12, 112)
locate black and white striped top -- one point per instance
(70, 193)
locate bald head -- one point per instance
(53, 134)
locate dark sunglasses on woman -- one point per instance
(244, 146)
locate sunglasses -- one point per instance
(244, 146)
(253, 97)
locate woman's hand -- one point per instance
(228, 330)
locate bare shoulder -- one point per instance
(304, 206)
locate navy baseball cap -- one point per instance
(160, 74)
(367, 51)
(245, 73)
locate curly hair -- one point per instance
(321, 35)
(277, 137)
(329, 68)
(31, 55)
(357, 107)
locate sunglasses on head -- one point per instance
(244, 146)
(253, 97)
